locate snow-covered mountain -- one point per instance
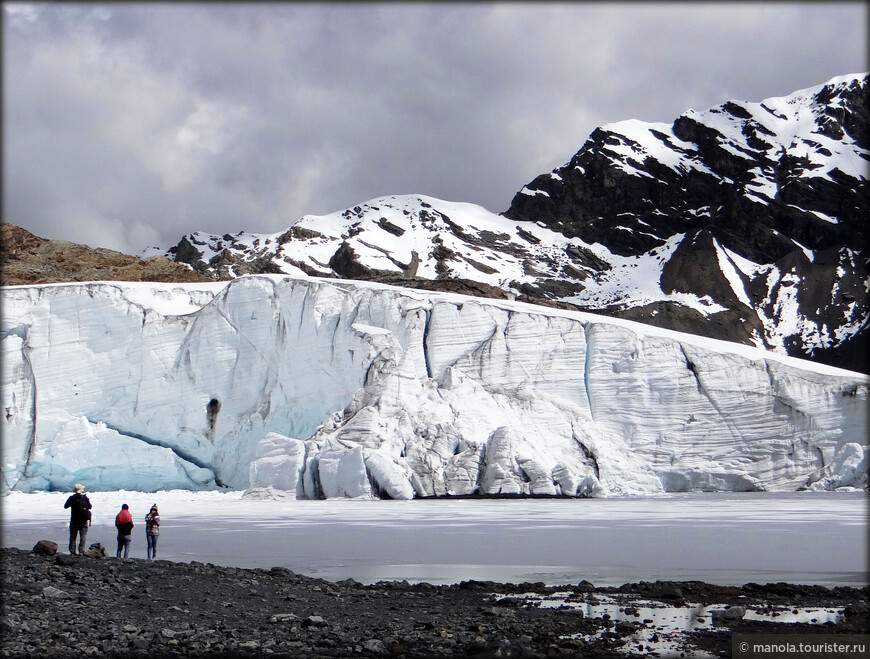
(744, 222)
(765, 206)
(309, 387)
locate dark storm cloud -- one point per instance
(127, 125)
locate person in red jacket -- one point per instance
(124, 524)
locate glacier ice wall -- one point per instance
(322, 388)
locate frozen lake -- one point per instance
(800, 537)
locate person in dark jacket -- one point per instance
(124, 524)
(79, 518)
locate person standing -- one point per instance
(124, 524)
(152, 531)
(79, 518)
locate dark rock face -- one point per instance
(594, 193)
(345, 264)
(743, 183)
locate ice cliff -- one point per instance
(325, 388)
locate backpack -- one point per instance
(84, 511)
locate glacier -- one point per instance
(302, 387)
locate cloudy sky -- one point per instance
(127, 125)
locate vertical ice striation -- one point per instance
(310, 388)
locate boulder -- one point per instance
(45, 548)
(728, 616)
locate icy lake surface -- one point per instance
(799, 537)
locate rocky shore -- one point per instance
(76, 606)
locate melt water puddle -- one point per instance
(660, 628)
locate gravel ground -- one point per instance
(74, 606)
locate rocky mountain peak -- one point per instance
(760, 176)
(771, 198)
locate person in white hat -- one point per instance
(79, 518)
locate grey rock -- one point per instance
(375, 645)
(283, 617)
(723, 617)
